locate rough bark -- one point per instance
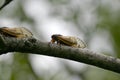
(34, 46)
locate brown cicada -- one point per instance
(68, 41)
(18, 32)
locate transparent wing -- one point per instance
(80, 43)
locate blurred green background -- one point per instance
(94, 21)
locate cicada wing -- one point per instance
(19, 32)
(66, 40)
(26, 32)
(80, 43)
(10, 32)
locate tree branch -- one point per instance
(34, 46)
(5, 4)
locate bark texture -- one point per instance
(34, 46)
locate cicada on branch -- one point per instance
(18, 32)
(68, 41)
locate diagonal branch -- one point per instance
(34, 46)
(5, 3)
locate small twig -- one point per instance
(5, 3)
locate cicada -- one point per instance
(68, 41)
(18, 32)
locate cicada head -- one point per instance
(55, 38)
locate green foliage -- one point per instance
(109, 20)
(21, 68)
